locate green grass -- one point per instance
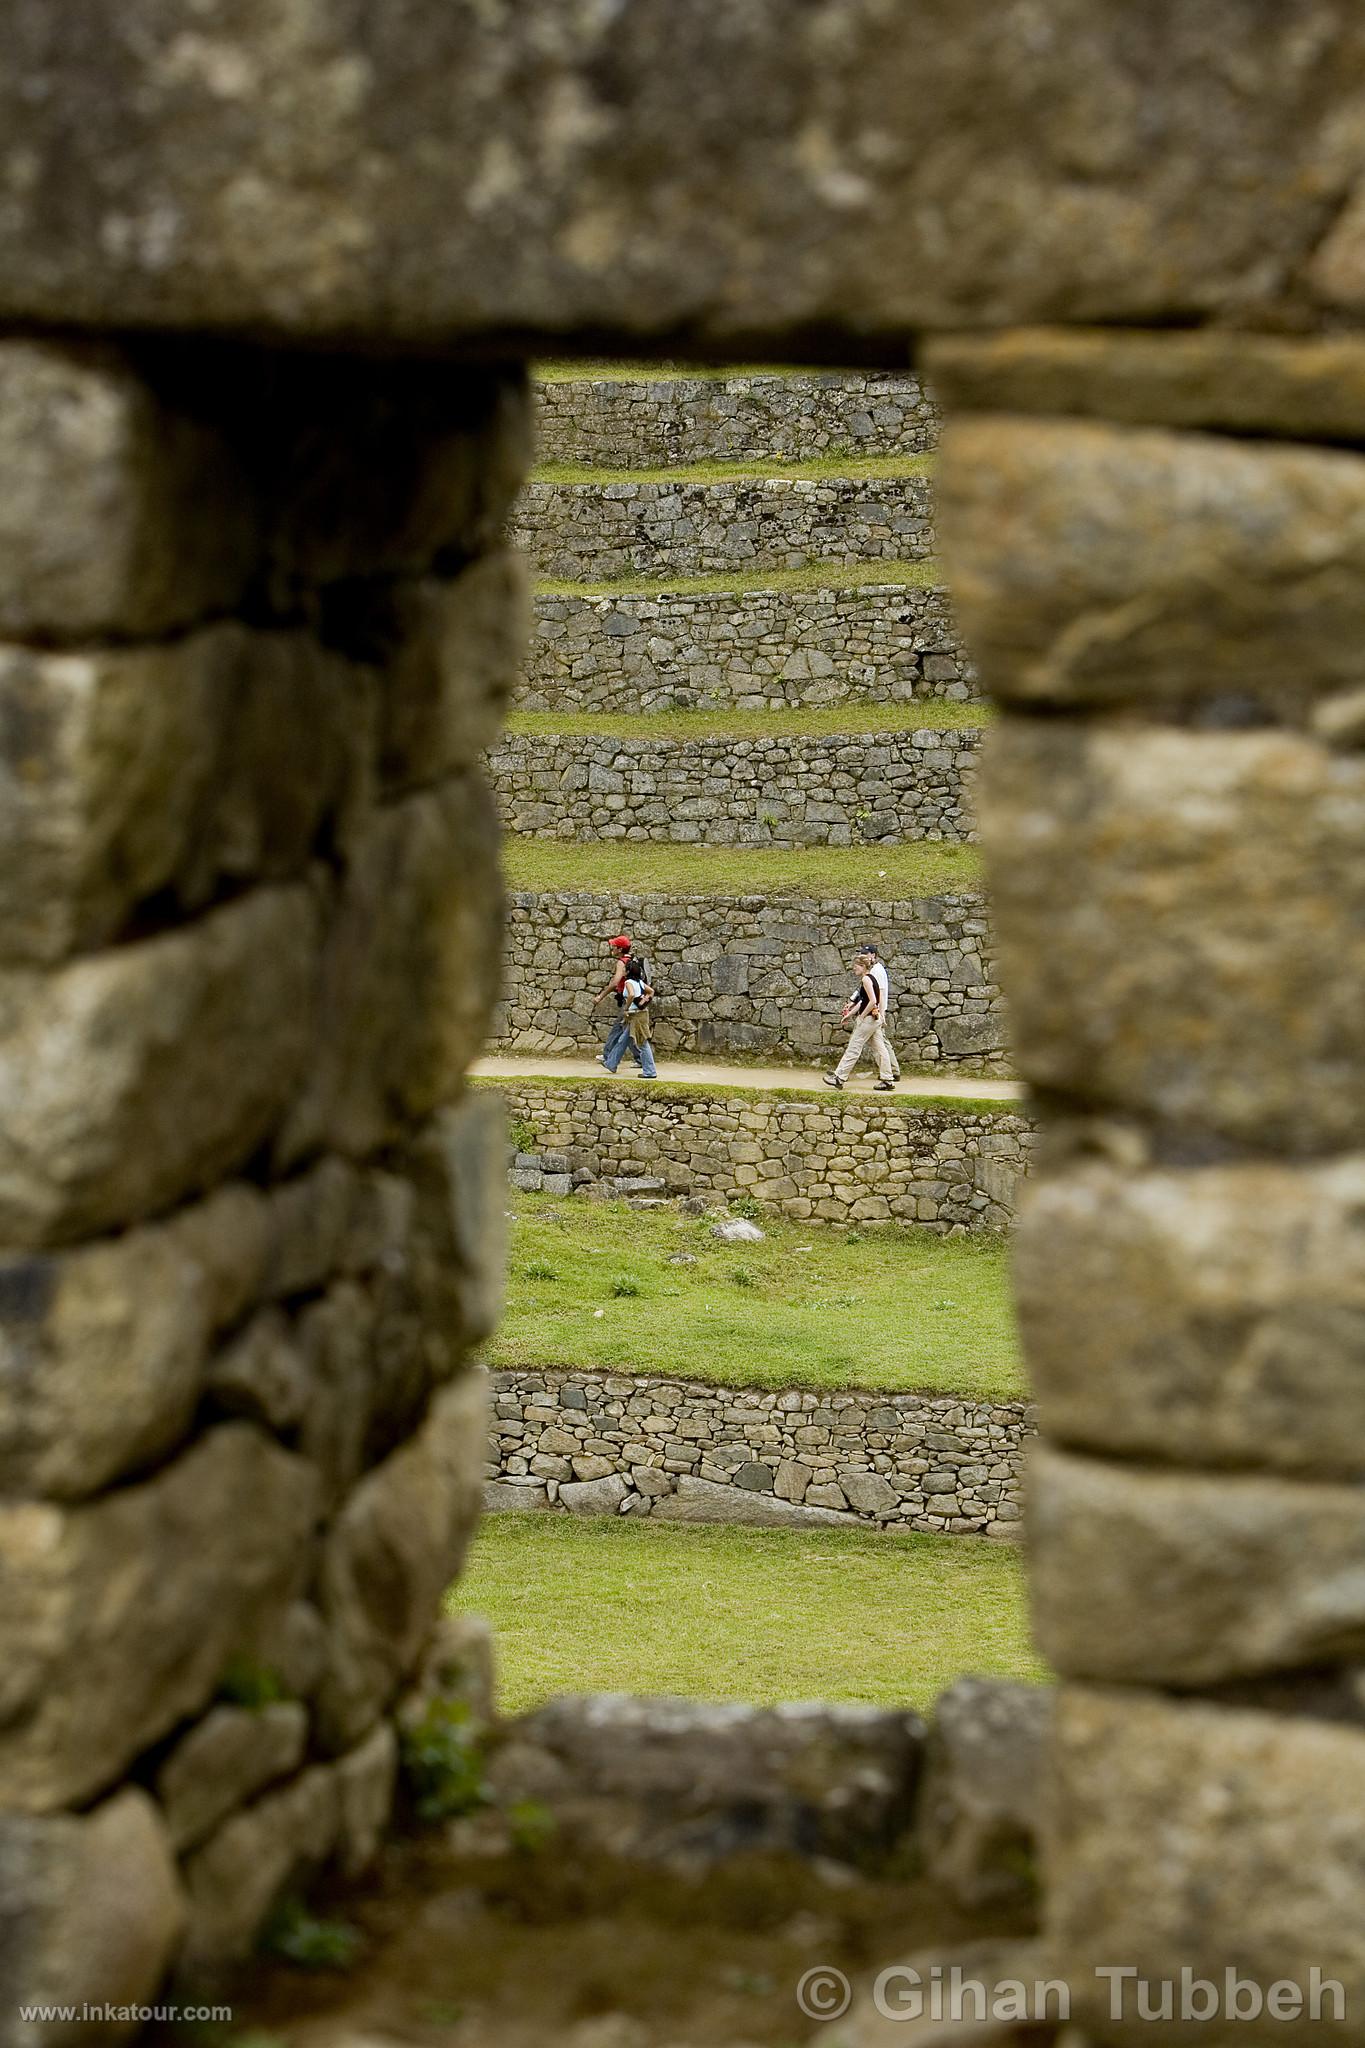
(815, 576)
(804, 722)
(676, 1088)
(643, 373)
(744, 1614)
(874, 874)
(870, 468)
(901, 1309)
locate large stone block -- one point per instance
(119, 1616)
(1305, 388)
(1199, 1838)
(101, 1354)
(454, 651)
(1182, 1578)
(391, 1553)
(682, 1780)
(980, 1808)
(1110, 565)
(1180, 924)
(121, 516)
(91, 1912)
(243, 1869)
(736, 179)
(408, 974)
(1201, 1316)
(168, 773)
(134, 1076)
(226, 1759)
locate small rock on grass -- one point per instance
(738, 1230)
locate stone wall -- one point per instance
(588, 533)
(250, 1228)
(649, 421)
(879, 643)
(832, 1159)
(753, 974)
(683, 1450)
(843, 789)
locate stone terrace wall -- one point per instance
(882, 643)
(594, 1443)
(835, 1159)
(588, 533)
(835, 790)
(647, 422)
(248, 920)
(751, 974)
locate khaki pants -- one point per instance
(866, 1032)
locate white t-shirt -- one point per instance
(883, 981)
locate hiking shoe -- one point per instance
(831, 1081)
(886, 1088)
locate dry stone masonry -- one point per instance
(628, 1444)
(650, 422)
(1173, 822)
(747, 650)
(755, 974)
(591, 532)
(837, 789)
(250, 1227)
(823, 1158)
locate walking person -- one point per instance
(865, 1007)
(616, 1036)
(883, 980)
(637, 994)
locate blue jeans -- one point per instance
(616, 1042)
(643, 1054)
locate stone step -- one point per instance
(648, 421)
(743, 649)
(591, 532)
(778, 790)
(753, 976)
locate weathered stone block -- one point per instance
(981, 1804)
(1182, 1578)
(366, 1780)
(704, 1500)
(101, 1124)
(218, 194)
(225, 1760)
(454, 650)
(122, 516)
(1205, 1316)
(101, 1351)
(169, 772)
(240, 1872)
(667, 1778)
(91, 1914)
(408, 975)
(1108, 565)
(390, 1555)
(1208, 972)
(119, 1616)
(1251, 1859)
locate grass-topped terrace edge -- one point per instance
(930, 714)
(819, 575)
(914, 871)
(820, 469)
(947, 1109)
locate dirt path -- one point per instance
(708, 1073)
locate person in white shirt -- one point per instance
(865, 1007)
(883, 981)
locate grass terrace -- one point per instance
(876, 874)
(782, 721)
(743, 1614)
(820, 575)
(869, 468)
(590, 1286)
